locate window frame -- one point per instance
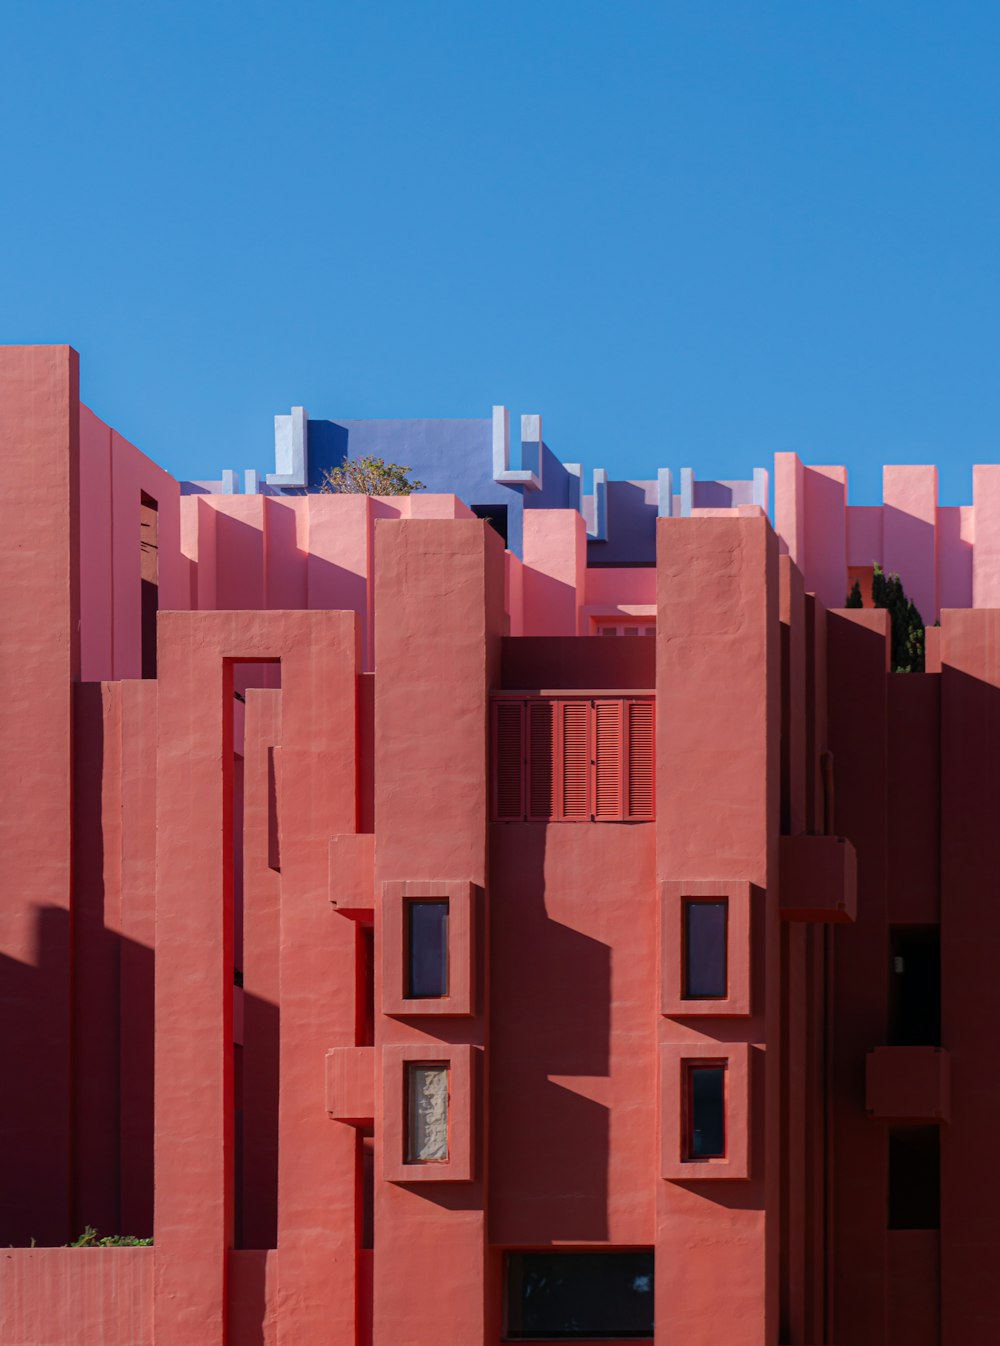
(676, 1061)
(464, 900)
(459, 1059)
(674, 894)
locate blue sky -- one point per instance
(689, 233)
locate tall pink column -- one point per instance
(39, 661)
(909, 533)
(717, 819)
(986, 548)
(439, 596)
(555, 569)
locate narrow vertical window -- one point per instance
(427, 949)
(705, 955)
(426, 1112)
(915, 986)
(705, 1132)
(149, 576)
(914, 1177)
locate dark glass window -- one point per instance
(591, 1295)
(915, 989)
(705, 973)
(706, 1112)
(427, 949)
(914, 1177)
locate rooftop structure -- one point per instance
(427, 942)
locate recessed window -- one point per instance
(495, 516)
(705, 1132)
(426, 1112)
(638, 627)
(914, 1177)
(705, 934)
(427, 949)
(915, 986)
(574, 1296)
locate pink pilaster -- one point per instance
(555, 568)
(910, 547)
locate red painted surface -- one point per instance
(908, 1084)
(163, 839)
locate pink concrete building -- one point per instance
(416, 965)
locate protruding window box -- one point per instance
(428, 1113)
(818, 879)
(908, 1084)
(705, 948)
(428, 938)
(350, 1084)
(705, 1110)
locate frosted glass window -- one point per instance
(705, 975)
(427, 949)
(426, 1112)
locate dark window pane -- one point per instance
(706, 1112)
(427, 944)
(914, 1177)
(915, 988)
(705, 949)
(561, 1296)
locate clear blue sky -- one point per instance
(689, 232)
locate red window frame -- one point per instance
(691, 1068)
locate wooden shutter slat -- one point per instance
(574, 794)
(641, 760)
(541, 760)
(508, 761)
(609, 756)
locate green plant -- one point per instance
(906, 623)
(369, 476)
(854, 599)
(90, 1239)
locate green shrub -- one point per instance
(90, 1239)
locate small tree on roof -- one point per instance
(369, 476)
(906, 623)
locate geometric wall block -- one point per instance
(819, 879)
(908, 1084)
(705, 1110)
(352, 874)
(705, 948)
(350, 1084)
(428, 943)
(428, 1113)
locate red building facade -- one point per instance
(418, 966)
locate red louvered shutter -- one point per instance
(641, 775)
(574, 783)
(508, 761)
(541, 760)
(609, 756)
